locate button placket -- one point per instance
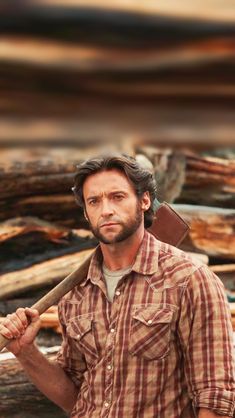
(109, 361)
(109, 351)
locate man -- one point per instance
(148, 333)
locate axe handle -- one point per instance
(53, 297)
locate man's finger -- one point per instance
(15, 321)
(6, 332)
(20, 312)
(33, 314)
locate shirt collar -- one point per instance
(146, 261)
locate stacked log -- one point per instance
(211, 233)
(140, 71)
(192, 177)
(142, 76)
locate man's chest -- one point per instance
(140, 322)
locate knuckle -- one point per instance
(7, 321)
(20, 311)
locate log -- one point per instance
(29, 240)
(210, 181)
(40, 275)
(120, 20)
(211, 230)
(17, 393)
(202, 126)
(207, 181)
(95, 61)
(169, 170)
(17, 227)
(49, 171)
(60, 208)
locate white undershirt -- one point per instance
(112, 278)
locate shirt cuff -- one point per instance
(218, 400)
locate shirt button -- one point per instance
(150, 321)
(109, 367)
(118, 292)
(106, 404)
(112, 330)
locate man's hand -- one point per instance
(20, 328)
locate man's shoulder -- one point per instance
(176, 263)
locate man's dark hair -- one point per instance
(141, 179)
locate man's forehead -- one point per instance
(108, 179)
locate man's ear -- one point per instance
(145, 201)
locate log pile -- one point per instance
(72, 77)
(36, 254)
(126, 69)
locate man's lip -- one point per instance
(109, 224)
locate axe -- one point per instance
(167, 226)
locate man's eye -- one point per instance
(92, 202)
(118, 197)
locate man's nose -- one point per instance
(107, 208)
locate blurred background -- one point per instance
(155, 79)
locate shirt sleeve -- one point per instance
(206, 336)
(69, 357)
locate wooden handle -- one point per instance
(53, 297)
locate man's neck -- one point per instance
(122, 254)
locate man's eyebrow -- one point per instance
(92, 197)
(110, 193)
(118, 191)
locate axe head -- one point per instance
(168, 226)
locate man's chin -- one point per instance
(109, 240)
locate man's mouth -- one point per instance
(108, 224)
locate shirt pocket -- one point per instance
(150, 332)
(80, 329)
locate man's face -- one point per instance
(111, 206)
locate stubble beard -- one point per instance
(128, 228)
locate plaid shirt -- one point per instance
(162, 348)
